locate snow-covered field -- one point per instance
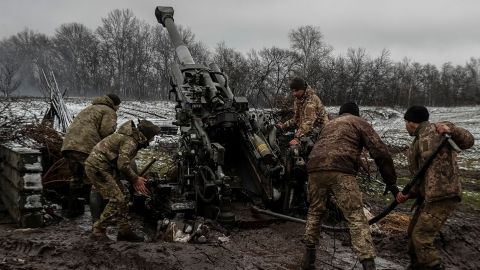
(390, 125)
(388, 122)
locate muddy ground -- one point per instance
(270, 245)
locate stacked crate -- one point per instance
(21, 184)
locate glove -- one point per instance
(294, 142)
(392, 188)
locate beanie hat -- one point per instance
(148, 129)
(298, 84)
(416, 114)
(351, 108)
(115, 99)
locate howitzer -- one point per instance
(220, 147)
(417, 177)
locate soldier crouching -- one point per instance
(112, 154)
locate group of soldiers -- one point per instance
(97, 153)
(94, 149)
(333, 165)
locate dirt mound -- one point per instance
(395, 223)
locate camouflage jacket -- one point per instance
(340, 144)
(309, 113)
(117, 151)
(92, 124)
(441, 180)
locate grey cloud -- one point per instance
(434, 31)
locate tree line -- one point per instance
(131, 58)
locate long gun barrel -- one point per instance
(165, 17)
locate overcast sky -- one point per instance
(426, 31)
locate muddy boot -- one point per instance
(368, 264)
(99, 235)
(308, 262)
(129, 236)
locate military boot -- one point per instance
(129, 236)
(99, 234)
(368, 264)
(308, 262)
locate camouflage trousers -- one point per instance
(113, 191)
(76, 164)
(349, 199)
(424, 227)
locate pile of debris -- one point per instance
(58, 116)
(395, 223)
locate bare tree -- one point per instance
(9, 68)
(308, 40)
(117, 41)
(281, 65)
(77, 47)
(34, 49)
(376, 79)
(234, 64)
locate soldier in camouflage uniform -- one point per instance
(92, 124)
(310, 114)
(332, 166)
(439, 191)
(111, 156)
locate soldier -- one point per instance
(438, 193)
(110, 156)
(92, 124)
(332, 166)
(309, 111)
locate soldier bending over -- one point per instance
(113, 153)
(332, 166)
